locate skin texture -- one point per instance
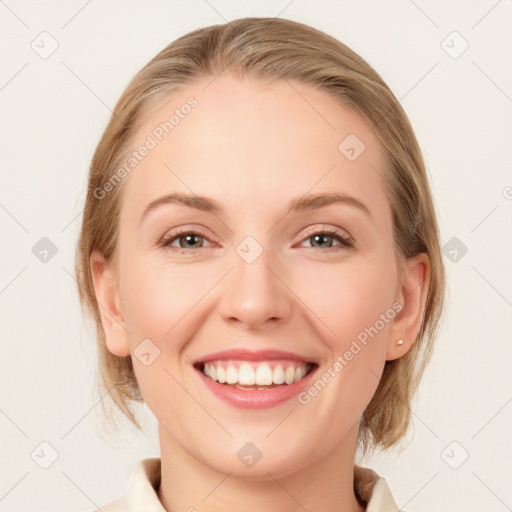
(254, 146)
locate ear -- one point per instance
(106, 288)
(411, 295)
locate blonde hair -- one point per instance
(273, 49)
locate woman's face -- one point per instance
(255, 275)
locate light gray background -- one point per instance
(53, 112)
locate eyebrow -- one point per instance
(300, 204)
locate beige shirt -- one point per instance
(141, 495)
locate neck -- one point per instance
(187, 484)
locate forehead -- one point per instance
(254, 144)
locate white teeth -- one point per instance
(278, 375)
(221, 374)
(246, 375)
(231, 375)
(264, 375)
(289, 375)
(299, 373)
(261, 374)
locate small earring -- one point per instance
(399, 342)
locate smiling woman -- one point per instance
(268, 278)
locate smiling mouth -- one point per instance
(255, 375)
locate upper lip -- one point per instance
(253, 355)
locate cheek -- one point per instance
(352, 305)
(348, 298)
(158, 297)
(353, 312)
(159, 303)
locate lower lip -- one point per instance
(256, 398)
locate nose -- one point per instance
(255, 293)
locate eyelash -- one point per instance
(345, 242)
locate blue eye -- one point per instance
(190, 241)
(321, 236)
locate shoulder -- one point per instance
(141, 492)
(373, 491)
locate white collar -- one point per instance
(142, 494)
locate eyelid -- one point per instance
(319, 228)
(344, 237)
(184, 230)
